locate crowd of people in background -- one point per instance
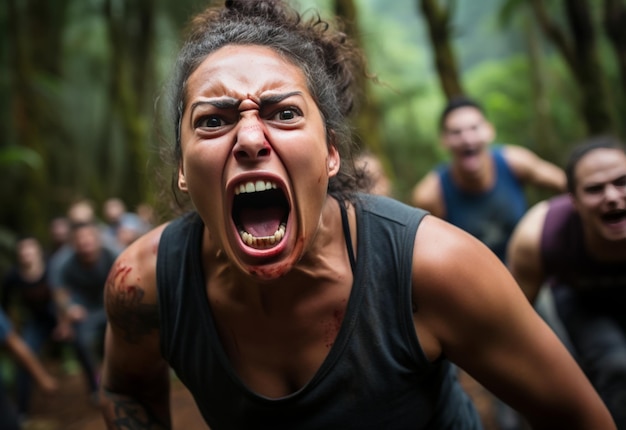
(52, 298)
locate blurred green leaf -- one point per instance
(16, 155)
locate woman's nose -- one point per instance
(251, 140)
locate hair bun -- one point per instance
(268, 9)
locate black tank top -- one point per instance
(375, 376)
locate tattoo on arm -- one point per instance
(124, 307)
(127, 414)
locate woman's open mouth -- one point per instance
(260, 212)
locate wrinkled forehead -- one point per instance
(248, 59)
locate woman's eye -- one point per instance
(287, 114)
(209, 122)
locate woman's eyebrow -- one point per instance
(271, 99)
(221, 103)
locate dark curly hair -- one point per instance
(326, 56)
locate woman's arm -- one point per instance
(471, 311)
(135, 378)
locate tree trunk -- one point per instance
(131, 34)
(579, 50)
(438, 19)
(367, 122)
(35, 29)
(545, 141)
(615, 26)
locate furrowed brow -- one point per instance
(221, 103)
(273, 99)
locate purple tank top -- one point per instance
(566, 261)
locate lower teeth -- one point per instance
(265, 241)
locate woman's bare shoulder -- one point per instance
(130, 292)
(446, 257)
(460, 288)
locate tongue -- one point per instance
(261, 222)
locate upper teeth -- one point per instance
(252, 187)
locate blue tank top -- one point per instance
(375, 376)
(490, 216)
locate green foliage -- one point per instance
(479, 37)
(406, 89)
(503, 87)
(13, 156)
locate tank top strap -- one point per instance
(347, 236)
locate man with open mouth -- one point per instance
(481, 189)
(287, 300)
(576, 244)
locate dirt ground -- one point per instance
(71, 408)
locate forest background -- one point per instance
(83, 89)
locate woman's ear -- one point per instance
(333, 162)
(182, 182)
